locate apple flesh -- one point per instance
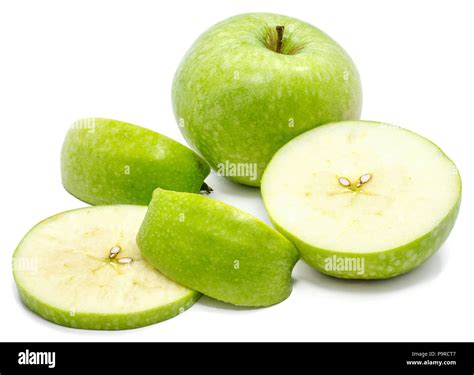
(253, 82)
(107, 161)
(83, 269)
(217, 249)
(362, 199)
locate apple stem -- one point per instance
(280, 30)
(206, 188)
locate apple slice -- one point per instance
(362, 199)
(112, 162)
(217, 249)
(83, 269)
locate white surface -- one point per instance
(61, 60)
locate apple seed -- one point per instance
(114, 251)
(125, 260)
(365, 178)
(344, 181)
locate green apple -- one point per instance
(112, 162)
(217, 249)
(362, 199)
(83, 269)
(253, 82)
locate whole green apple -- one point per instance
(253, 82)
(107, 161)
(362, 200)
(216, 249)
(83, 269)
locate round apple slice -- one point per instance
(83, 269)
(362, 199)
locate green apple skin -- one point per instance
(113, 162)
(385, 264)
(236, 100)
(96, 321)
(217, 249)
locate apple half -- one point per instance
(362, 200)
(217, 249)
(106, 161)
(83, 269)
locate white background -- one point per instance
(62, 60)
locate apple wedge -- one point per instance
(83, 269)
(362, 199)
(217, 249)
(107, 161)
